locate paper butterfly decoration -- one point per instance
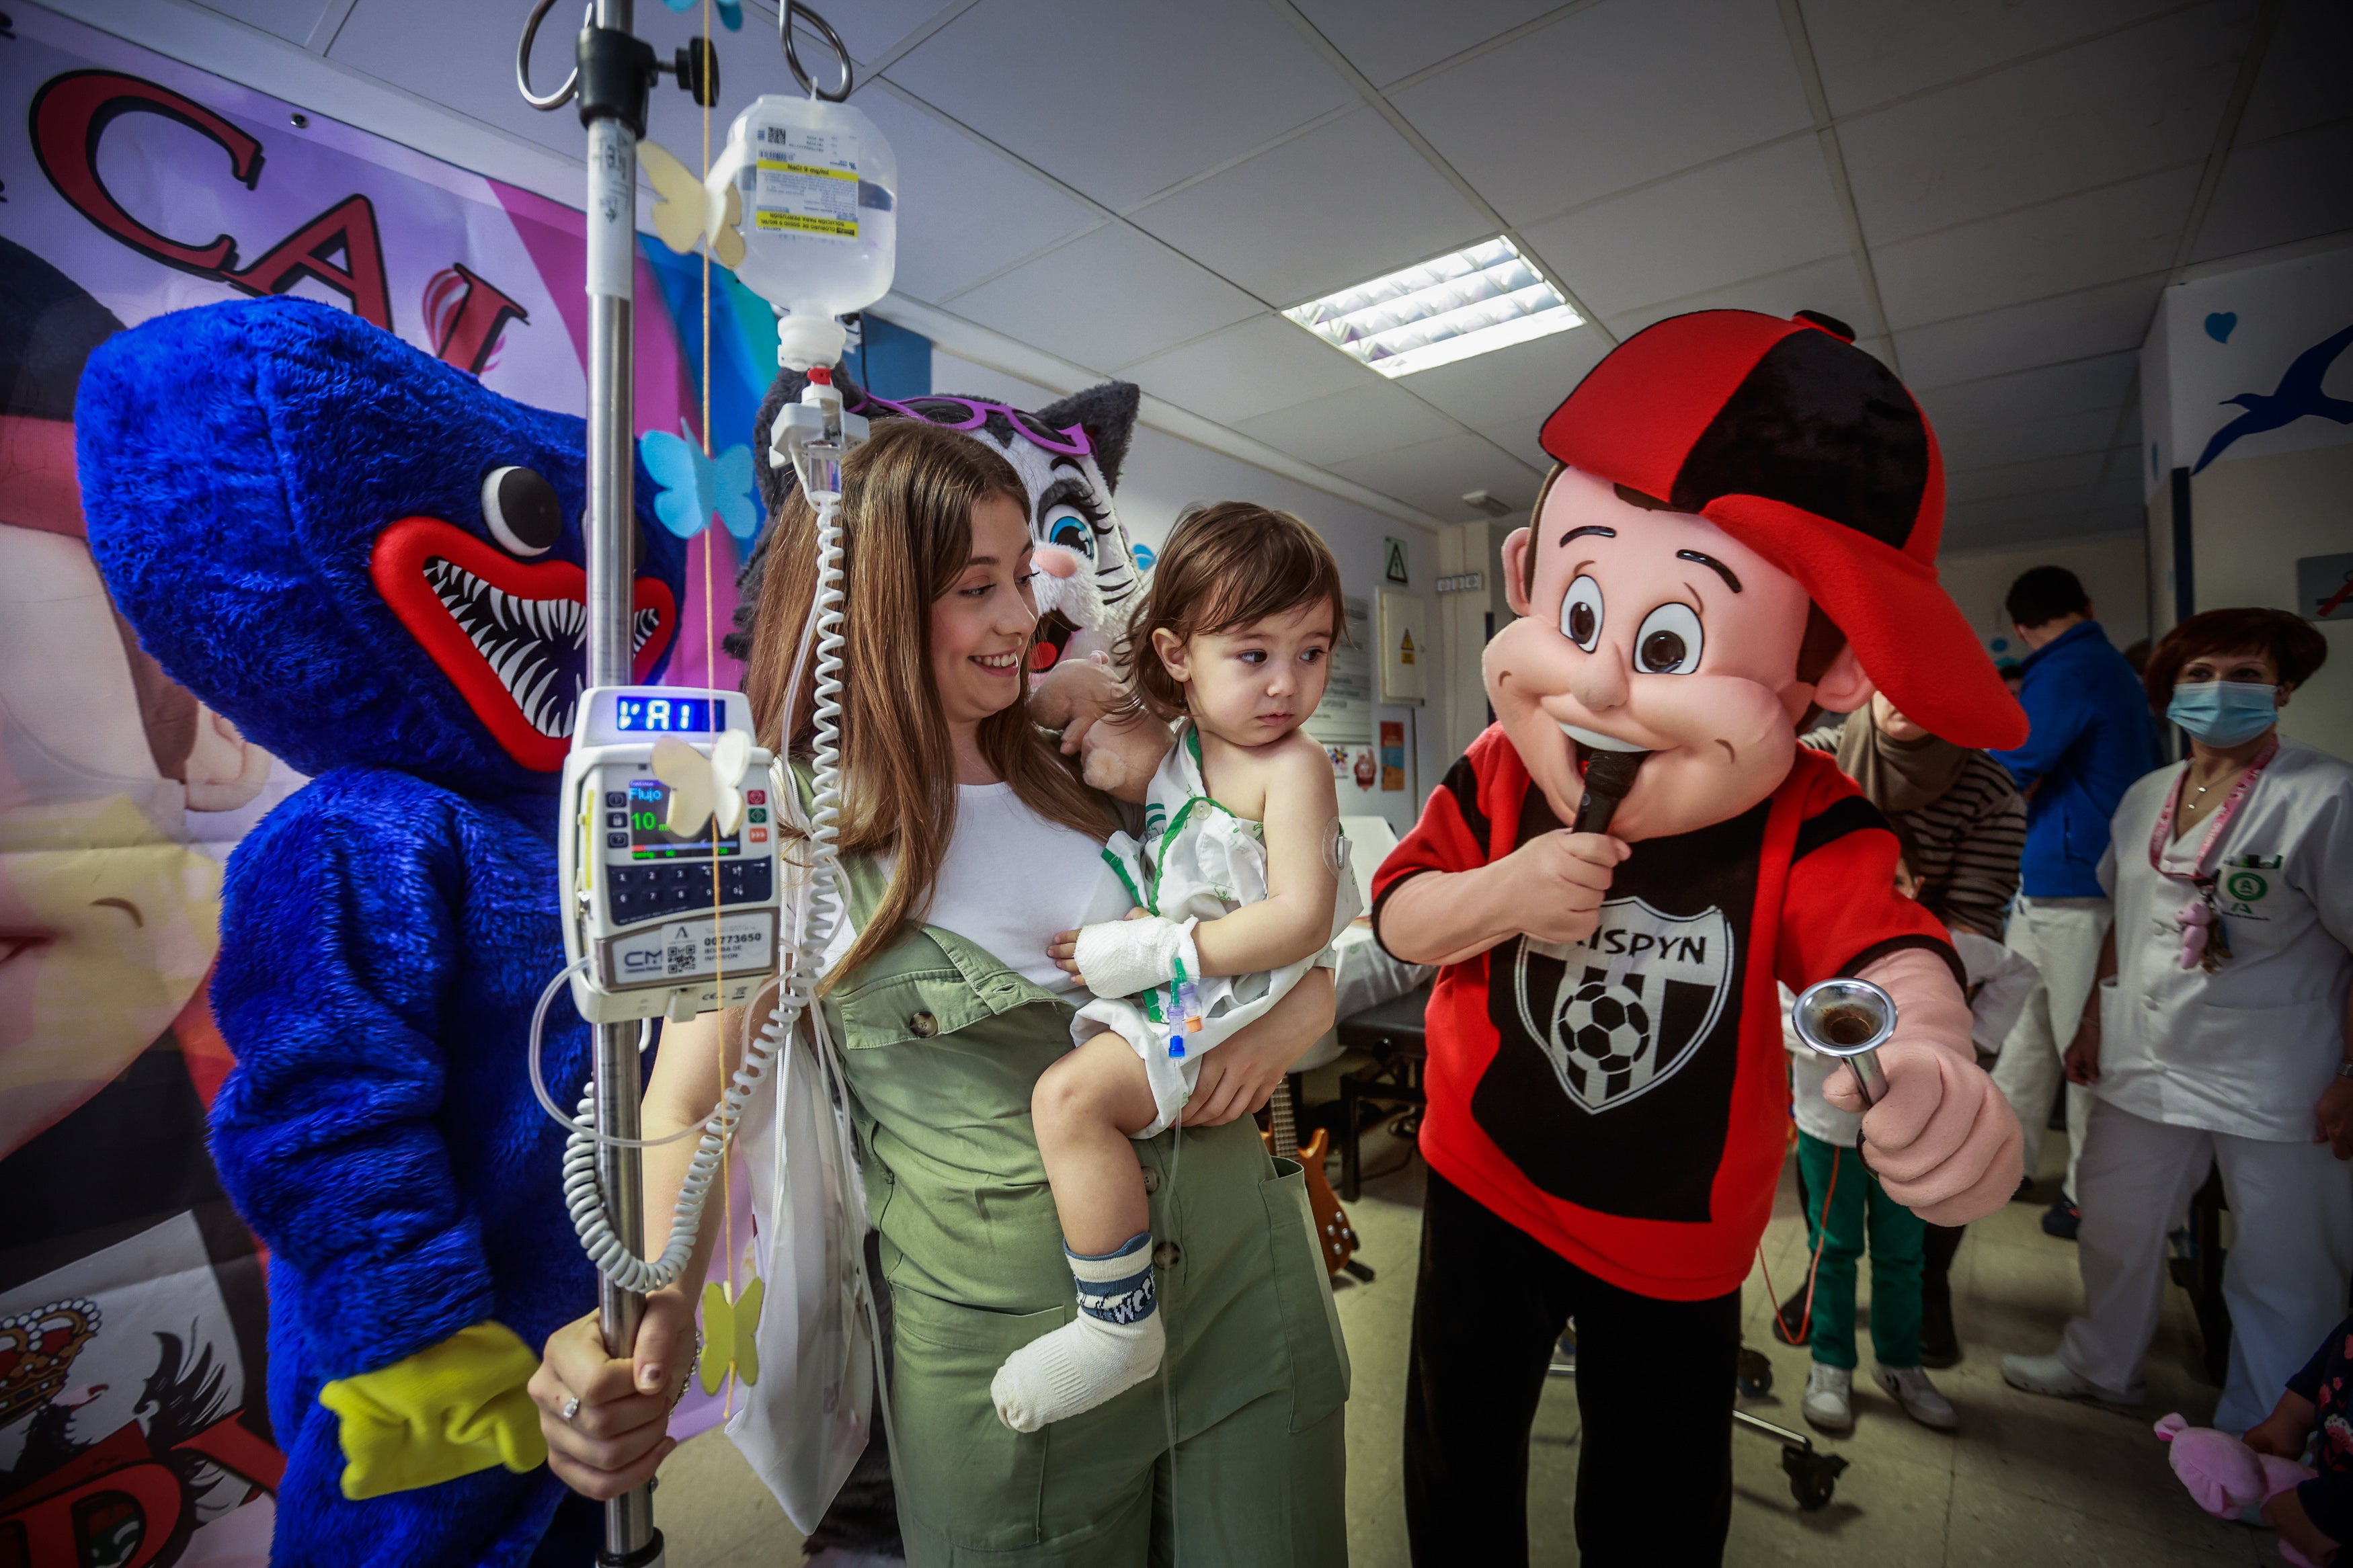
(695, 486)
(731, 12)
(731, 1322)
(686, 210)
(703, 787)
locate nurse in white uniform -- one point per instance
(2219, 1030)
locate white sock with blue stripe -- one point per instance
(1114, 1344)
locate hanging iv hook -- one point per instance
(562, 95)
(791, 11)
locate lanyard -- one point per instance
(2204, 944)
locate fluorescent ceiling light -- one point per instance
(1471, 302)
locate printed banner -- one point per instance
(133, 1428)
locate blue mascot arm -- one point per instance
(337, 947)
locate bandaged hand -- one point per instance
(1120, 958)
(448, 1411)
(1944, 1142)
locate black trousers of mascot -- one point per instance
(1654, 1386)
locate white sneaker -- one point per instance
(1909, 1387)
(1830, 1398)
(2048, 1374)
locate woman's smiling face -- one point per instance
(981, 626)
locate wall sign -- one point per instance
(2324, 587)
(1393, 562)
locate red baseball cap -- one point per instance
(1789, 437)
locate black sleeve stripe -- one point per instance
(1464, 782)
(1879, 950)
(1852, 815)
(1381, 899)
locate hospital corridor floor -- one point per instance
(2027, 1481)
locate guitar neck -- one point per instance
(1283, 1137)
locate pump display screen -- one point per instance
(649, 840)
(669, 715)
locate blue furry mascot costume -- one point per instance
(374, 568)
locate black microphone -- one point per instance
(1608, 777)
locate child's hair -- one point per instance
(1226, 565)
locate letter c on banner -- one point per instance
(72, 112)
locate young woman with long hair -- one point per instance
(968, 844)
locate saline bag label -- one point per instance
(804, 182)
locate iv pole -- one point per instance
(612, 75)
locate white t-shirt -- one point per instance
(1012, 882)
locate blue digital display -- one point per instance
(669, 715)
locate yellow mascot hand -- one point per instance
(448, 1411)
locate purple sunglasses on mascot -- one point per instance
(971, 414)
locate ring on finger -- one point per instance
(571, 1407)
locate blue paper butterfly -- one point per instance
(695, 486)
(731, 12)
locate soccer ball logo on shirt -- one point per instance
(1621, 1011)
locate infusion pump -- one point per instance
(671, 923)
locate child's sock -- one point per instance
(1113, 1344)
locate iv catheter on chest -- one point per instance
(672, 886)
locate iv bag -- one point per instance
(804, 1423)
(817, 193)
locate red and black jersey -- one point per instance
(1625, 1099)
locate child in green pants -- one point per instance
(1843, 1203)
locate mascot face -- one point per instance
(1068, 456)
(355, 552)
(1651, 629)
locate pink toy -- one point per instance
(2224, 1474)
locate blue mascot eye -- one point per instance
(1072, 533)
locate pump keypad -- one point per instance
(654, 892)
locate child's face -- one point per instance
(1252, 685)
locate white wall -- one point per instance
(1164, 475)
(2270, 497)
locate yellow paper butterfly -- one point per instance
(686, 210)
(703, 787)
(730, 1320)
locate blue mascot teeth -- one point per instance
(537, 648)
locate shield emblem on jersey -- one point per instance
(1621, 1011)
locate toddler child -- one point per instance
(1841, 1199)
(2315, 1517)
(1239, 887)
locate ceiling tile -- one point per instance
(1352, 424)
(2048, 393)
(2302, 83)
(289, 19)
(1345, 202)
(2100, 236)
(1609, 97)
(2042, 331)
(2290, 188)
(1525, 448)
(1870, 51)
(1759, 213)
(1435, 474)
(1263, 365)
(2108, 507)
(1982, 442)
(1390, 39)
(2146, 99)
(1512, 387)
(1107, 298)
(871, 28)
(2025, 479)
(1124, 101)
(966, 208)
(1831, 286)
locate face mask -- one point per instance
(2224, 712)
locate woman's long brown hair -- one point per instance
(906, 510)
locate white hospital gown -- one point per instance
(1198, 861)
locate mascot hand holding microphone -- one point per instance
(1741, 530)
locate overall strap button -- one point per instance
(922, 1026)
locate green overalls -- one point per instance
(942, 1046)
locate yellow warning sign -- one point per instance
(1405, 649)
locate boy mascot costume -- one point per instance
(1742, 529)
(374, 567)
